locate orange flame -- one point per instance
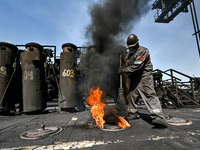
(97, 110)
(121, 121)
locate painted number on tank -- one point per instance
(68, 73)
(3, 70)
(28, 75)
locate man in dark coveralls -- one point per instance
(139, 68)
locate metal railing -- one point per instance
(189, 89)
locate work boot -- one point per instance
(132, 116)
(159, 122)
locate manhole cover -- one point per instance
(111, 127)
(195, 142)
(178, 121)
(40, 133)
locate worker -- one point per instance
(139, 68)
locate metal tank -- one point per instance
(33, 79)
(8, 54)
(67, 99)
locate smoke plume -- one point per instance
(111, 23)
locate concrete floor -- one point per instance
(77, 134)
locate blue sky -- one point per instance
(55, 22)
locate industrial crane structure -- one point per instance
(167, 10)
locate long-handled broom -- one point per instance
(121, 102)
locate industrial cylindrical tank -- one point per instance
(33, 79)
(67, 99)
(8, 54)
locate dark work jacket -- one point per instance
(138, 64)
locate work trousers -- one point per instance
(144, 87)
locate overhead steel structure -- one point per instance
(167, 10)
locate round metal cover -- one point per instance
(40, 133)
(111, 127)
(178, 121)
(195, 142)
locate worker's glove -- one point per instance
(121, 70)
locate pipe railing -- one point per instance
(175, 82)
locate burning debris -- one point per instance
(97, 110)
(95, 100)
(121, 121)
